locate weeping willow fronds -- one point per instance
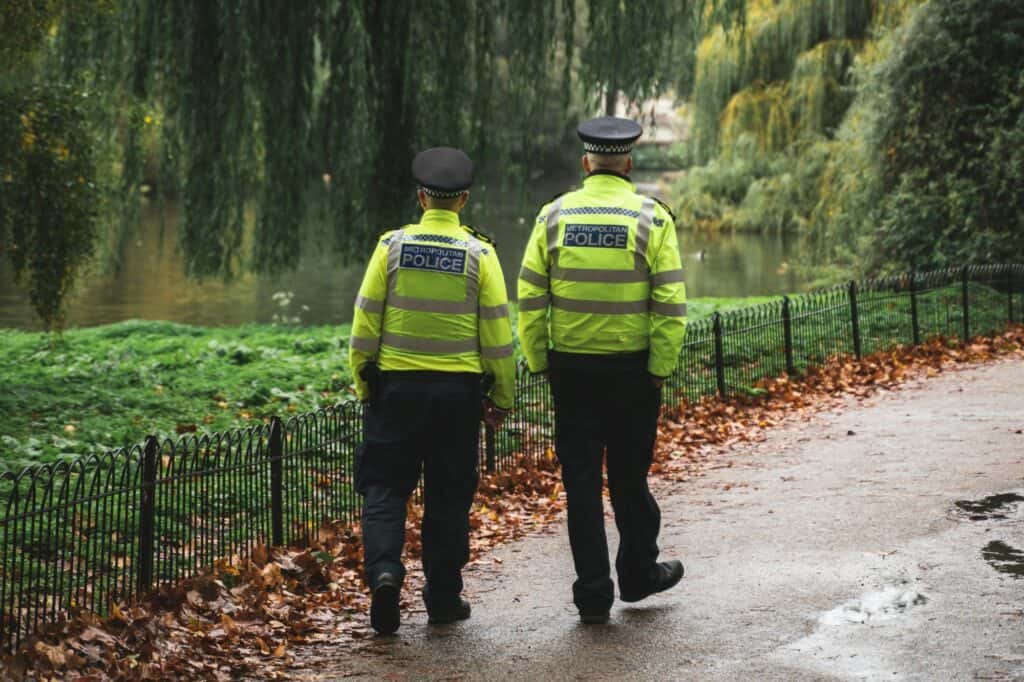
(772, 98)
(762, 112)
(820, 89)
(766, 51)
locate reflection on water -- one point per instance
(738, 264)
(152, 285)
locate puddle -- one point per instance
(991, 507)
(1004, 558)
(874, 606)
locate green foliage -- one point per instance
(47, 197)
(953, 132)
(23, 25)
(625, 39)
(744, 75)
(767, 101)
(662, 157)
(706, 195)
(107, 386)
(930, 169)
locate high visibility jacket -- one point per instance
(433, 298)
(601, 274)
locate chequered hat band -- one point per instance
(441, 194)
(596, 148)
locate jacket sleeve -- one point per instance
(534, 295)
(668, 301)
(368, 316)
(495, 330)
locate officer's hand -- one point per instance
(657, 382)
(494, 416)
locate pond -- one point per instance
(151, 284)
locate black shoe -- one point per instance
(669, 575)
(385, 616)
(594, 617)
(460, 610)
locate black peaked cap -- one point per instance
(443, 171)
(609, 134)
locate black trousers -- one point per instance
(429, 420)
(607, 404)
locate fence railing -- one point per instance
(105, 529)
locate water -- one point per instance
(991, 507)
(151, 284)
(1004, 558)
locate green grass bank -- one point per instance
(97, 388)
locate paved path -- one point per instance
(833, 550)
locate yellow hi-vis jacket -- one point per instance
(601, 274)
(433, 298)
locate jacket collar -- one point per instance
(439, 217)
(608, 180)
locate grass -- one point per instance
(102, 387)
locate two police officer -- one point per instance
(601, 310)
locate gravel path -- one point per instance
(832, 550)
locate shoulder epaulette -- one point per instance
(667, 209)
(555, 196)
(480, 235)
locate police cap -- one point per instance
(609, 135)
(443, 172)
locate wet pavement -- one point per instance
(865, 544)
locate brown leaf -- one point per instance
(52, 653)
(260, 555)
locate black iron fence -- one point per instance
(104, 529)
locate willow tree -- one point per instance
(767, 102)
(306, 115)
(48, 194)
(775, 77)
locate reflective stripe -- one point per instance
(473, 271)
(601, 210)
(532, 277)
(667, 277)
(598, 275)
(600, 307)
(553, 215)
(669, 309)
(493, 312)
(432, 305)
(496, 352)
(420, 344)
(527, 305)
(369, 305)
(364, 344)
(643, 230)
(394, 254)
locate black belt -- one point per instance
(432, 376)
(598, 361)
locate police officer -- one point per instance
(431, 320)
(602, 310)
